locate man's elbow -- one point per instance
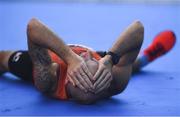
(43, 87)
(139, 33)
(32, 27)
(139, 27)
(120, 86)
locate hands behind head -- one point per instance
(80, 75)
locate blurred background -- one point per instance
(97, 23)
(103, 1)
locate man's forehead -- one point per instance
(86, 56)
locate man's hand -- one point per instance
(79, 75)
(103, 75)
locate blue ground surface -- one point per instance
(154, 91)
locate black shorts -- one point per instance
(20, 64)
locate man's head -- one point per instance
(79, 95)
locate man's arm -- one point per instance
(44, 76)
(43, 37)
(129, 41)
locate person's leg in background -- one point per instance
(161, 45)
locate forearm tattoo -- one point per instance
(39, 55)
(44, 79)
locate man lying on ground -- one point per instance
(77, 72)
